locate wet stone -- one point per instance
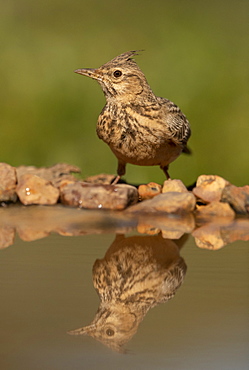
(209, 188)
(7, 183)
(114, 197)
(171, 202)
(174, 185)
(103, 178)
(32, 189)
(237, 197)
(55, 174)
(149, 191)
(217, 209)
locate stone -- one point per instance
(209, 188)
(149, 191)
(103, 178)
(171, 202)
(32, 189)
(174, 185)
(55, 174)
(83, 195)
(237, 197)
(216, 209)
(7, 183)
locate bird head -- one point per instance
(120, 78)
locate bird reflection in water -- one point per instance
(136, 274)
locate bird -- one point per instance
(136, 274)
(139, 127)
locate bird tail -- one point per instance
(187, 150)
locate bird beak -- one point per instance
(90, 72)
(82, 331)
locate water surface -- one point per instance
(47, 290)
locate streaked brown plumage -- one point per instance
(136, 274)
(139, 127)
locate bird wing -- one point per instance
(176, 122)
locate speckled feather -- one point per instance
(139, 127)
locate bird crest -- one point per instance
(125, 58)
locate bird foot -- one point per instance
(116, 180)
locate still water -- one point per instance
(153, 302)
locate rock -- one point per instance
(171, 202)
(32, 189)
(237, 197)
(7, 183)
(209, 188)
(55, 174)
(103, 178)
(174, 185)
(83, 195)
(149, 191)
(216, 209)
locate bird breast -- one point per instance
(137, 135)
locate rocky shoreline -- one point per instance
(211, 196)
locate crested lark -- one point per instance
(139, 127)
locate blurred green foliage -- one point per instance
(196, 54)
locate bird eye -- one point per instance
(117, 73)
(110, 332)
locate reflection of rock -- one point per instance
(136, 274)
(171, 227)
(217, 234)
(35, 222)
(7, 235)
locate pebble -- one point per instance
(149, 191)
(32, 189)
(174, 185)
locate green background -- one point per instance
(196, 54)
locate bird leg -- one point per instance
(120, 172)
(165, 170)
